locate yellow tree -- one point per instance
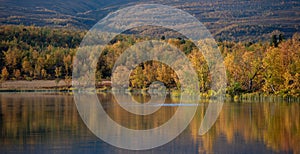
(4, 74)
(17, 73)
(234, 71)
(244, 67)
(67, 62)
(289, 54)
(57, 72)
(252, 65)
(12, 58)
(200, 64)
(44, 73)
(273, 70)
(40, 64)
(149, 73)
(137, 77)
(165, 75)
(27, 68)
(282, 67)
(57, 75)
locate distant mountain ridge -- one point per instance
(237, 20)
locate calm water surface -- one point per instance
(50, 123)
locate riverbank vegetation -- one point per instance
(269, 68)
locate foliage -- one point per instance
(43, 53)
(4, 73)
(29, 51)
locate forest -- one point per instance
(41, 53)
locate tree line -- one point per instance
(35, 53)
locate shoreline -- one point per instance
(31, 85)
(22, 85)
(50, 86)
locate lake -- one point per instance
(50, 123)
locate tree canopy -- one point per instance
(29, 52)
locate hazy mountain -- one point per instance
(231, 19)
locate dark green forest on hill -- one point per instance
(41, 53)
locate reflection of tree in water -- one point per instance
(277, 125)
(141, 97)
(36, 119)
(138, 122)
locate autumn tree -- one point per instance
(282, 67)
(57, 75)
(67, 63)
(137, 77)
(57, 72)
(201, 67)
(165, 75)
(17, 73)
(44, 74)
(4, 74)
(27, 68)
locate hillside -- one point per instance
(237, 20)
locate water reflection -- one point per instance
(33, 122)
(133, 121)
(30, 121)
